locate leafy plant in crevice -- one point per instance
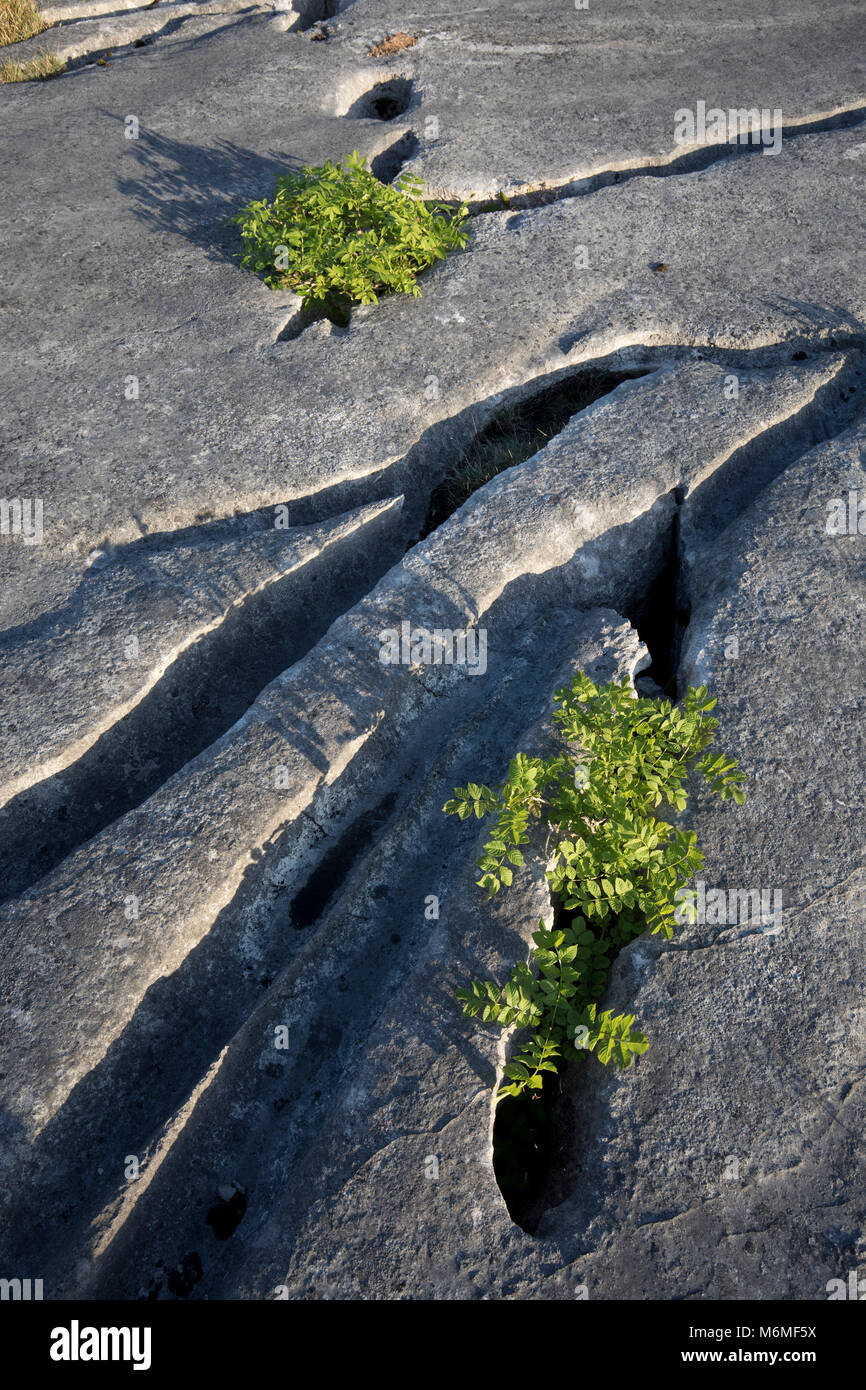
(615, 869)
(337, 236)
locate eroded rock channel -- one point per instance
(621, 431)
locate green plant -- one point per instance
(20, 19)
(614, 868)
(338, 236)
(44, 65)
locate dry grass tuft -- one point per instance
(395, 43)
(46, 65)
(20, 19)
(515, 434)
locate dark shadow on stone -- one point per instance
(387, 165)
(193, 189)
(313, 12)
(385, 101)
(201, 695)
(227, 1213)
(518, 431)
(326, 880)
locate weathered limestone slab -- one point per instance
(292, 871)
(726, 1164)
(180, 857)
(585, 522)
(123, 243)
(80, 658)
(729, 1164)
(316, 1110)
(130, 620)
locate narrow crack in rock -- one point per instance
(693, 161)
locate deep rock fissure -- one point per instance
(219, 997)
(518, 431)
(359, 971)
(534, 1134)
(538, 1138)
(691, 162)
(201, 695)
(661, 616)
(165, 730)
(180, 716)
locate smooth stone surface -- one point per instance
(239, 834)
(123, 242)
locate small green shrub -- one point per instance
(337, 236)
(615, 869)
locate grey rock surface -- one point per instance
(740, 1131)
(131, 620)
(228, 418)
(97, 31)
(233, 913)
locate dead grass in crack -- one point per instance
(502, 444)
(513, 435)
(395, 43)
(19, 20)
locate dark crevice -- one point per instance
(691, 162)
(139, 1046)
(525, 1149)
(313, 12)
(387, 165)
(198, 699)
(660, 616)
(187, 710)
(309, 904)
(539, 1138)
(227, 1213)
(384, 101)
(517, 432)
(432, 455)
(534, 1133)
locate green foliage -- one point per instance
(338, 236)
(558, 1002)
(615, 868)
